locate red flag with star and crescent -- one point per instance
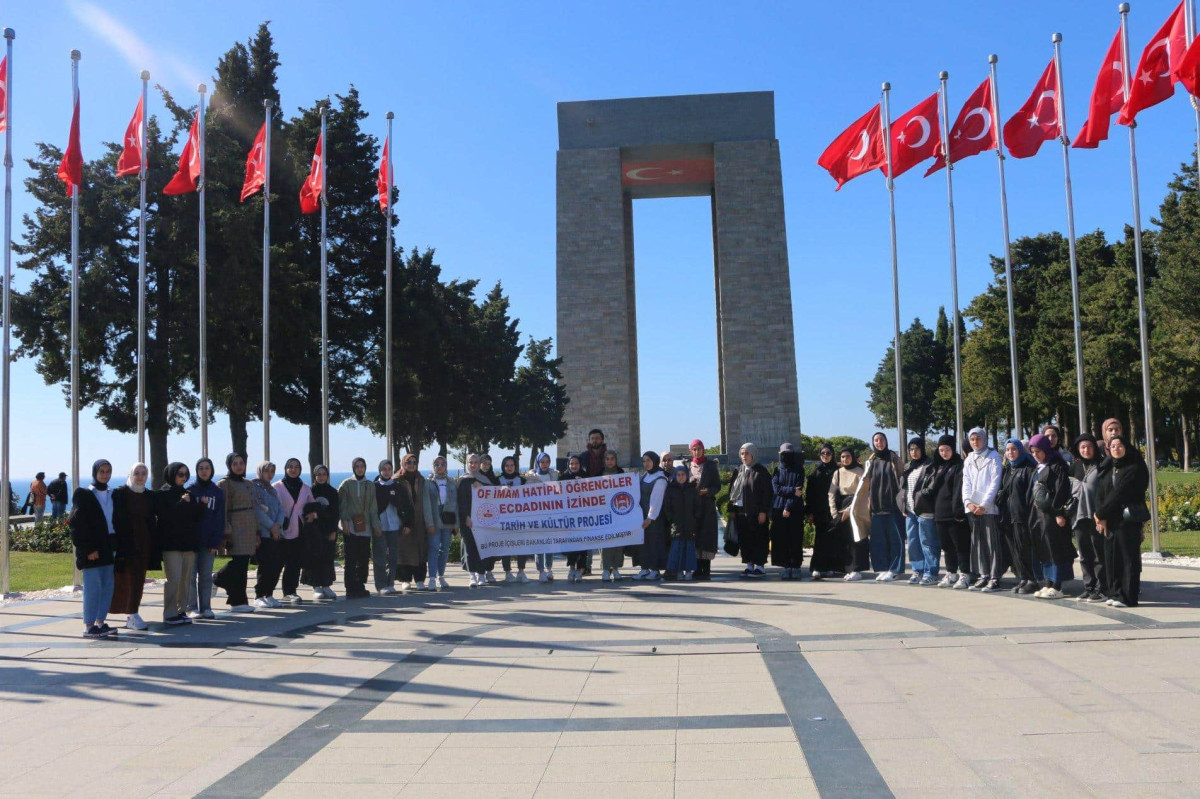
(256, 165)
(1037, 120)
(381, 181)
(973, 132)
(1154, 81)
(1187, 71)
(915, 136)
(857, 150)
(1108, 96)
(70, 169)
(188, 173)
(3, 94)
(130, 162)
(310, 192)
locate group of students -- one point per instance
(1034, 509)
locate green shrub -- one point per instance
(455, 555)
(1179, 508)
(44, 536)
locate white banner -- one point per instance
(563, 516)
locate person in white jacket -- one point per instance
(982, 472)
(542, 473)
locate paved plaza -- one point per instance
(733, 688)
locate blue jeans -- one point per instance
(681, 557)
(439, 552)
(97, 593)
(57, 509)
(924, 548)
(1057, 573)
(200, 588)
(545, 562)
(887, 543)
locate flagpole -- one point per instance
(1008, 275)
(202, 263)
(266, 285)
(324, 298)
(1189, 14)
(5, 375)
(1148, 406)
(75, 56)
(1061, 110)
(387, 291)
(891, 187)
(943, 106)
(141, 340)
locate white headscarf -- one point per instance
(132, 483)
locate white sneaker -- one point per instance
(194, 614)
(916, 578)
(616, 575)
(1109, 602)
(431, 585)
(542, 578)
(242, 609)
(814, 575)
(262, 602)
(642, 574)
(135, 622)
(521, 578)
(509, 577)
(292, 599)
(208, 614)
(491, 578)
(475, 582)
(606, 577)
(318, 593)
(329, 593)
(946, 581)
(403, 589)
(853, 577)
(1051, 593)
(442, 582)
(1116, 603)
(653, 575)
(879, 577)
(275, 603)
(886, 577)
(549, 575)
(686, 576)
(963, 582)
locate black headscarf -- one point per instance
(654, 459)
(919, 443)
(325, 489)
(853, 457)
(96, 470)
(880, 454)
(824, 468)
(229, 475)
(293, 484)
(955, 457)
(199, 480)
(1132, 453)
(1096, 456)
(169, 474)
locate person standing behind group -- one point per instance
(982, 472)
(843, 488)
(576, 560)
(57, 493)
(612, 559)
(395, 514)
(210, 533)
(96, 548)
(477, 565)
(919, 497)
(884, 473)
(1052, 536)
(950, 516)
(706, 475)
(269, 511)
(1015, 502)
(829, 554)
(749, 506)
(542, 473)
(652, 555)
(787, 512)
(359, 514)
(134, 521)
(1054, 434)
(37, 494)
(594, 458)
(294, 498)
(413, 553)
(681, 512)
(1120, 513)
(241, 533)
(179, 515)
(1084, 471)
(321, 538)
(443, 496)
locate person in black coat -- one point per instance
(1120, 513)
(829, 551)
(706, 475)
(178, 517)
(682, 513)
(750, 502)
(1052, 535)
(950, 516)
(319, 539)
(96, 548)
(1085, 471)
(1015, 502)
(787, 512)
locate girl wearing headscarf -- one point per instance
(982, 472)
(750, 502)
(578, 559)
(294, 498)
(843, 488)
(542, 473)
(1052, 536)
(918, 495)
(787, 512)
(950, 516)
(884, 474)
(178, 514)
(320, 538)
(681, 512)
(652, 554)
(270, 529)
(1015, 501)
(485, 467)
(612, 559)
(1120, 513)
(358, 512)
(1052, 432)
(476, 565)
(510, 477)
(413, 555)
(829, 553)
(210, 533)
(134, 521)
(96, 548)
(1085, 473)
(707, 478)
(443, 498)
(241, 533)
(395, 515)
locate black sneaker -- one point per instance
(107, 632)
(93, 632)
(176, 620)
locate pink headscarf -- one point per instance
(698, 443)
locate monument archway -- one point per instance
(723, 146)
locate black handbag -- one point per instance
(732, 548)
(1139, 514)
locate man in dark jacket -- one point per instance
(56, 491)
(592, 458)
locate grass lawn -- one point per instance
(1178, 478)
(37, 571)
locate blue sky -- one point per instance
(474, 88)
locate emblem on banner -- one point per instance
(622, 503)
(488, 511)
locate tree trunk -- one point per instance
(1132, 427)
(1187, 446)
(315, 445)
(237, 430)
(158, 454)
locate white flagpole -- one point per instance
(75, 56)
(1189, 12)
(1148, 406)
(324, 295)
(387, 290)
(266, 286)
(891, 187)
(943, 107)
(1061, 109)
(5, 375)
(141, 340)
(1008, 275)
(202, 264)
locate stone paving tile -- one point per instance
(664, 789)
(769, 788)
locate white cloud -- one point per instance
(167, 69)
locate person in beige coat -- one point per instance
(241, 533)
(359, 513)
(844, 488)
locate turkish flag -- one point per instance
(70, 169)
(188, 173)
(1037, 120)
(310, 192)
(915, 136)
(130, 162)
(256, 165)
(1108, 96)
(3, 94)
(858, 150)
(1154, 81)
(973, 132)
(1186, 72)
(382, 181)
